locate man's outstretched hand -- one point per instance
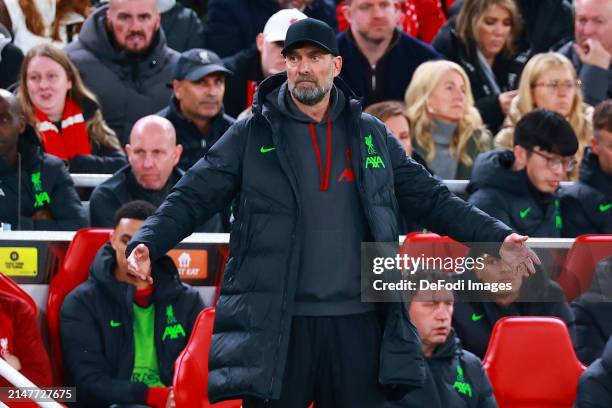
(139, 263)
(514, 251)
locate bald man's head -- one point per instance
(134, 23)
(12, 124)
(153, 152)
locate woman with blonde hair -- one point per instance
(447, 128)
(483, 40)
(549, 82)
(65, 113)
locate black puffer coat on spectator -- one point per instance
(510, 197)
(454, 378)
(587, 205)
(255, 307)
(232, 25)
(127, 87)
(595, 386)
(183, 28)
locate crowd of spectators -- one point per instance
(512, 95)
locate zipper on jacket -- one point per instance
(373, 66)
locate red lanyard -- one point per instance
(323, 183)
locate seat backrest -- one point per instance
(71, 273)
(190, 381)
(538, 350)
(577, 272)
(430, 244)
(10, 287)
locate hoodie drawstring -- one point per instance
(323, 181)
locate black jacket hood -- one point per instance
(591, 174)
(494, 169)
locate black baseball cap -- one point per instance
(311, 31)
(196, 63)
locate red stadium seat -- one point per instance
(582, 258)
(11, 288)
(429, 244)
(531, 363)
(72, 272)
(191, 367)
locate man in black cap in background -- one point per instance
(196, 106)
(313, 177)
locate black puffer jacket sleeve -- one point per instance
(207, 188)
(478, 376)
(428, 201)
(103, 160)
(84, 357)
(66, 210)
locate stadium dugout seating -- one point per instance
(582, 258)
(531, 363)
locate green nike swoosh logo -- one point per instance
(477, 317)
(604, 207)
(524, 212)
(114, 323)
(266, 149)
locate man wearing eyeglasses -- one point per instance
(587, 205)
(519, 187)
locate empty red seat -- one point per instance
(191, 367)
(577, 272)
(71, 273)
(429, 244)
(531, 363)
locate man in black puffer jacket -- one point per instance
(519, 187)
(313, 177)
(595, 386)
(120, 336)
(36, 191)
(587, 205)
(454, 377)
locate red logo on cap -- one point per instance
(293, 20)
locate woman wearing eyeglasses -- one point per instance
(549, 82)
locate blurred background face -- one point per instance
(555, 90)
(372, 20)
(431, 312)
(497, 271)
(272, 59)
(47, 85)
(201, 99)
(593, 20)
(398, 125)
(133, 23)
(545, 169)
(494, 29)
(447, 99)
(602, 147)
(152, 155)
(121, 235)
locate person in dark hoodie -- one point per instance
(182, 26)
(454, 376)
(519, 187)
(592, 311)
(595, 385)
(587, 205)
(196, 108)
(123, 58)
(120, 336)
(312, 177)
(476, 312)
(11, 58)
(36, 191)
(153, 155)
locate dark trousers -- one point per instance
(333, 362)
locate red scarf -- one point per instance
(69, 141)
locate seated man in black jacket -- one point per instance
(519, 187)
(121, 336)
(595, 386)
(153, 155)
(477, 312)
(196, 106)
(454, 377)
(587, 205)
(36, 191)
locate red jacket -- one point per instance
(20, 336)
